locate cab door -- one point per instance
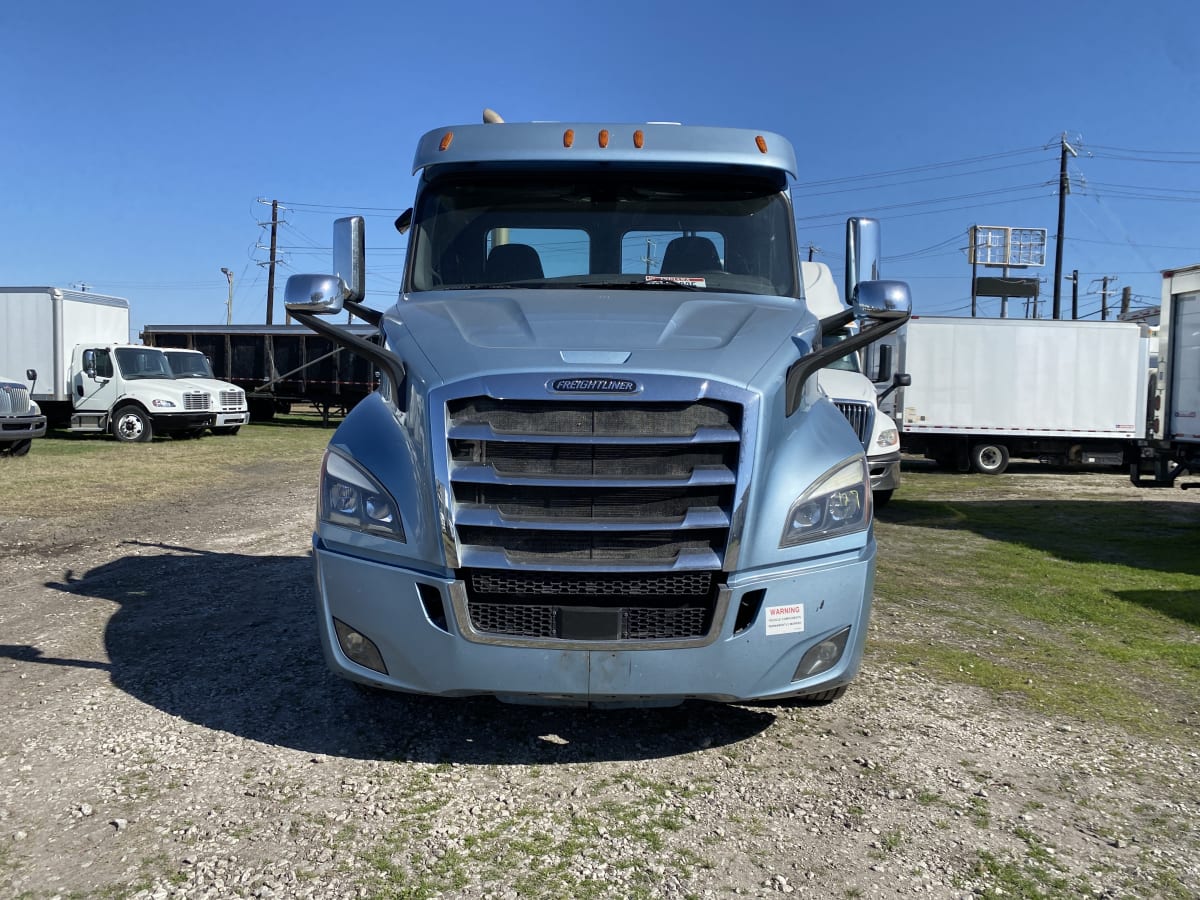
(95, 385)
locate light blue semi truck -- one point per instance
(599, 468)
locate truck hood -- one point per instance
(727, 336)
(840, 384)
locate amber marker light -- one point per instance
(568, 137)
(762, 143)
(639, 139)
(447, 140)
(603, 138)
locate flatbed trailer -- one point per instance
(276, 365)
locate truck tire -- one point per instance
(989, 459)
(16, 448)
(227, 429)
(881, 498)
(131, 425)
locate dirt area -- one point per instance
(170, 730)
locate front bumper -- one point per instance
(885, 471)
(383, 602)
(226, 419)
(20, 428)
(167, 422)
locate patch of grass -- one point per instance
(1077, 607)
(106, 474)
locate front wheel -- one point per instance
(131, 425)
(989, 459)
(881, 498)
(16, 448)
(227, 429)
(822, 698)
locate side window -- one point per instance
(102, 360)
(642, 251)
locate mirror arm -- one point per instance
(837, 321)
(366, 313)
(390, 364)
(804, 368)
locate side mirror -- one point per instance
(882, 300)
(31, 374)
(89, 363)
(325, 294)
(902, 379)
(883, 369)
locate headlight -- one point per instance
(353, 499)
(889, 437)
(161, 404)
(839, 502)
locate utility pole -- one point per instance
(1064, 188)
(1074, 293)
(1126, 300)
(1104, 296)
(271, 266)
(228, 303)
(811, 251)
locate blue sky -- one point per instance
(139, 136)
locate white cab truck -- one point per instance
(851, 391)
(231, 411)
(1172, 447)
(91, 379)
(984, 391)
(20, 418)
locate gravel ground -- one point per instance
(170, 731)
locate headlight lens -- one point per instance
(839, 502)
(163, 404)
(353, 499)
(889, 437)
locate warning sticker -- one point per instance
(691, 280)
(785, 619)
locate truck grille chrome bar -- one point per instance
(859, 416)
(14, 400)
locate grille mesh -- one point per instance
(597, 419)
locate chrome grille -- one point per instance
(197, 401)
(567, 483)
(232, 399)
(14, 400)
(859, 416)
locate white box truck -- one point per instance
(1173, 439)
(983, 391)
(90, 378)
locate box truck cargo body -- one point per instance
(90, 379)
(985, 390)
(1173, 445)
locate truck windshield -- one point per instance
(188, 365)
(142, 362)
(709, 231)
(847, 363)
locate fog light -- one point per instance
(823, 656)
(358, 647)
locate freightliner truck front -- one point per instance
(599, 468)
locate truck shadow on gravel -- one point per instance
(229, 642)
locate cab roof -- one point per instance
(560, 143)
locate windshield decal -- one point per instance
(692, 280)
